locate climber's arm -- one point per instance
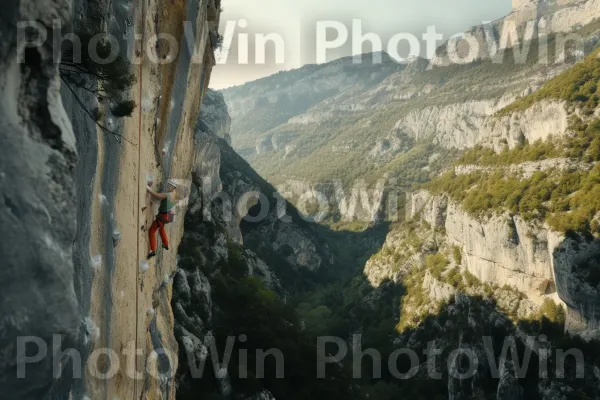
(160, 196)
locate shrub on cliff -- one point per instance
(89, 65)
(436, 263)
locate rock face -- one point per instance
(508, 387)
(499, 249)
(250, 209)
(559, 15)
(312, 125)
(213, 117)
(468, 124)
(357, 201)
(507, 250)
(529, 19)
(571, 259)
(92, 288)
(38, 221)
(224, 235)
(436, 290)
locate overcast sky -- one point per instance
(295, 22)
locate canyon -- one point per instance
(245, 257)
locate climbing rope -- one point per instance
(137, 269)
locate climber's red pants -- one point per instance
(158, 224)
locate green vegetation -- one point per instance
(567, 201)
(579, 85)
(457, 255)
(455, 278)
(269, 323)
(436, 263)
(414, 304)
(471, 280)
(553, 312)
(537, 151)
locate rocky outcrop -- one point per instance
(497, 249)
(508, 387)
(539, 122)
(232, 231)
(526, 169)
(465, 125)
(573, 259)
(357, 201)
(529, 19)
(266, 217)
(489, 357)
(505, 249)
(38, 300)
(559, 15)
(437, 291)
(213, 117)
(229, 189)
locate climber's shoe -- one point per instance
(151, 254)
(165, 247)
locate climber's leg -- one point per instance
(163, 236)
(152, 231)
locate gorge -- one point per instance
(463, 216)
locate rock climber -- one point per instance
(165, 215)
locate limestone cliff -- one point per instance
(468, 124)
(127, 299)
(93, 286)
(559, 15)
(38, 221)
(296, 133)
(507, 250)
(234, 230)
(531, 19)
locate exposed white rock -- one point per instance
(144, 266)
(539, 122)
(464, 125)
(527, 169)
(96, 263)
(505, 249)
(498, 249)
(92, 331)
(438, 291)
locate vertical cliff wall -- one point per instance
(128, 300)
(505, 249)
(36, 190)
(76, 240)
